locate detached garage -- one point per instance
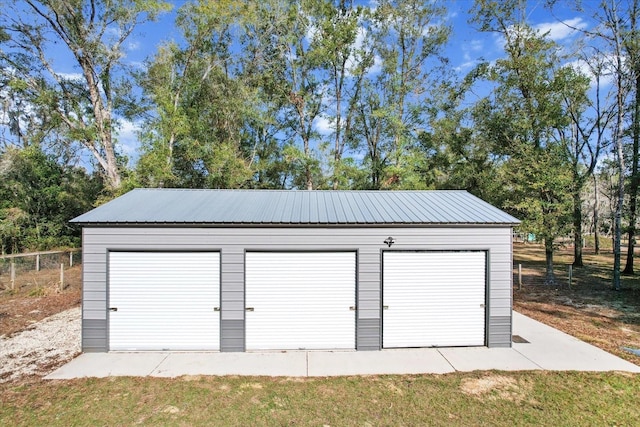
(251, 270)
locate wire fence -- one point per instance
(528, 275)
(19, 270)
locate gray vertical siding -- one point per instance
(233, 242)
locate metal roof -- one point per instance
(295, 207)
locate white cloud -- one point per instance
(324, 126)
(138, 65)
(466, 65)
(113, 32)
(133, 45)
(557, 31)
(589, 69)
(70, 76)
(359, 46)
(475, 46)
(360, 37)
(312, 33)
(470, 51)
(581, 67)
(128, 138)
(377, 65)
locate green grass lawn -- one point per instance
(481, 398)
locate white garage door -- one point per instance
(300, 300)
(433, 299)
(164, 301)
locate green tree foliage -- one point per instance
(407, 38)
(294, 92)
(211, 128)
(92, 33)
(522, 120)
(38, 197)
(345, 58)
(454, 156)
(311, 94)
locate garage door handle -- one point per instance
(216, 308)
(249, 309)
(113, 309)
(352, 308)
(385, 307)
(481, 305)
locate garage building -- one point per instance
(249, 270)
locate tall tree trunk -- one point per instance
(577, 229)
(628, 269)
(633, 190)
(618, 143)
(337, 155)
(550, 278)
(308, 175)
(112, 173)
(617, 233)
(596, 217)
(309, 179)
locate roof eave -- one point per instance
(292, 224)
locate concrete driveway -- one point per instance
(547, 349)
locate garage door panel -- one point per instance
(164, 301)
(434, 299)
(300, 300)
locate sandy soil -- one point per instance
(42, 347)
(39, 323)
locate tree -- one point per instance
(195, 137)
(346, 57)
(631, 49)
(612, 33)
(38, 197)
(607, 186)
(583, 139)
(455, 154)
(407, 37)
(299, 59)
(522, 119)
(86, 106)
(616, 45)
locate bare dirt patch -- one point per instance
(495, 387)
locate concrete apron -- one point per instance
(547, 349)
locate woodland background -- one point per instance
(320, 95)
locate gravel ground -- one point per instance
(41, 348)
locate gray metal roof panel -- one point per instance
(178, 206)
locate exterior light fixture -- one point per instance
(390, 241)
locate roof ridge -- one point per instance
(277, 190)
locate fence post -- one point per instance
(70, 259)
(13, 275)
(38, 262)
(520, 276)
(570, 274)
(61, 277)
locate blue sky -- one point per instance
(466, 47)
